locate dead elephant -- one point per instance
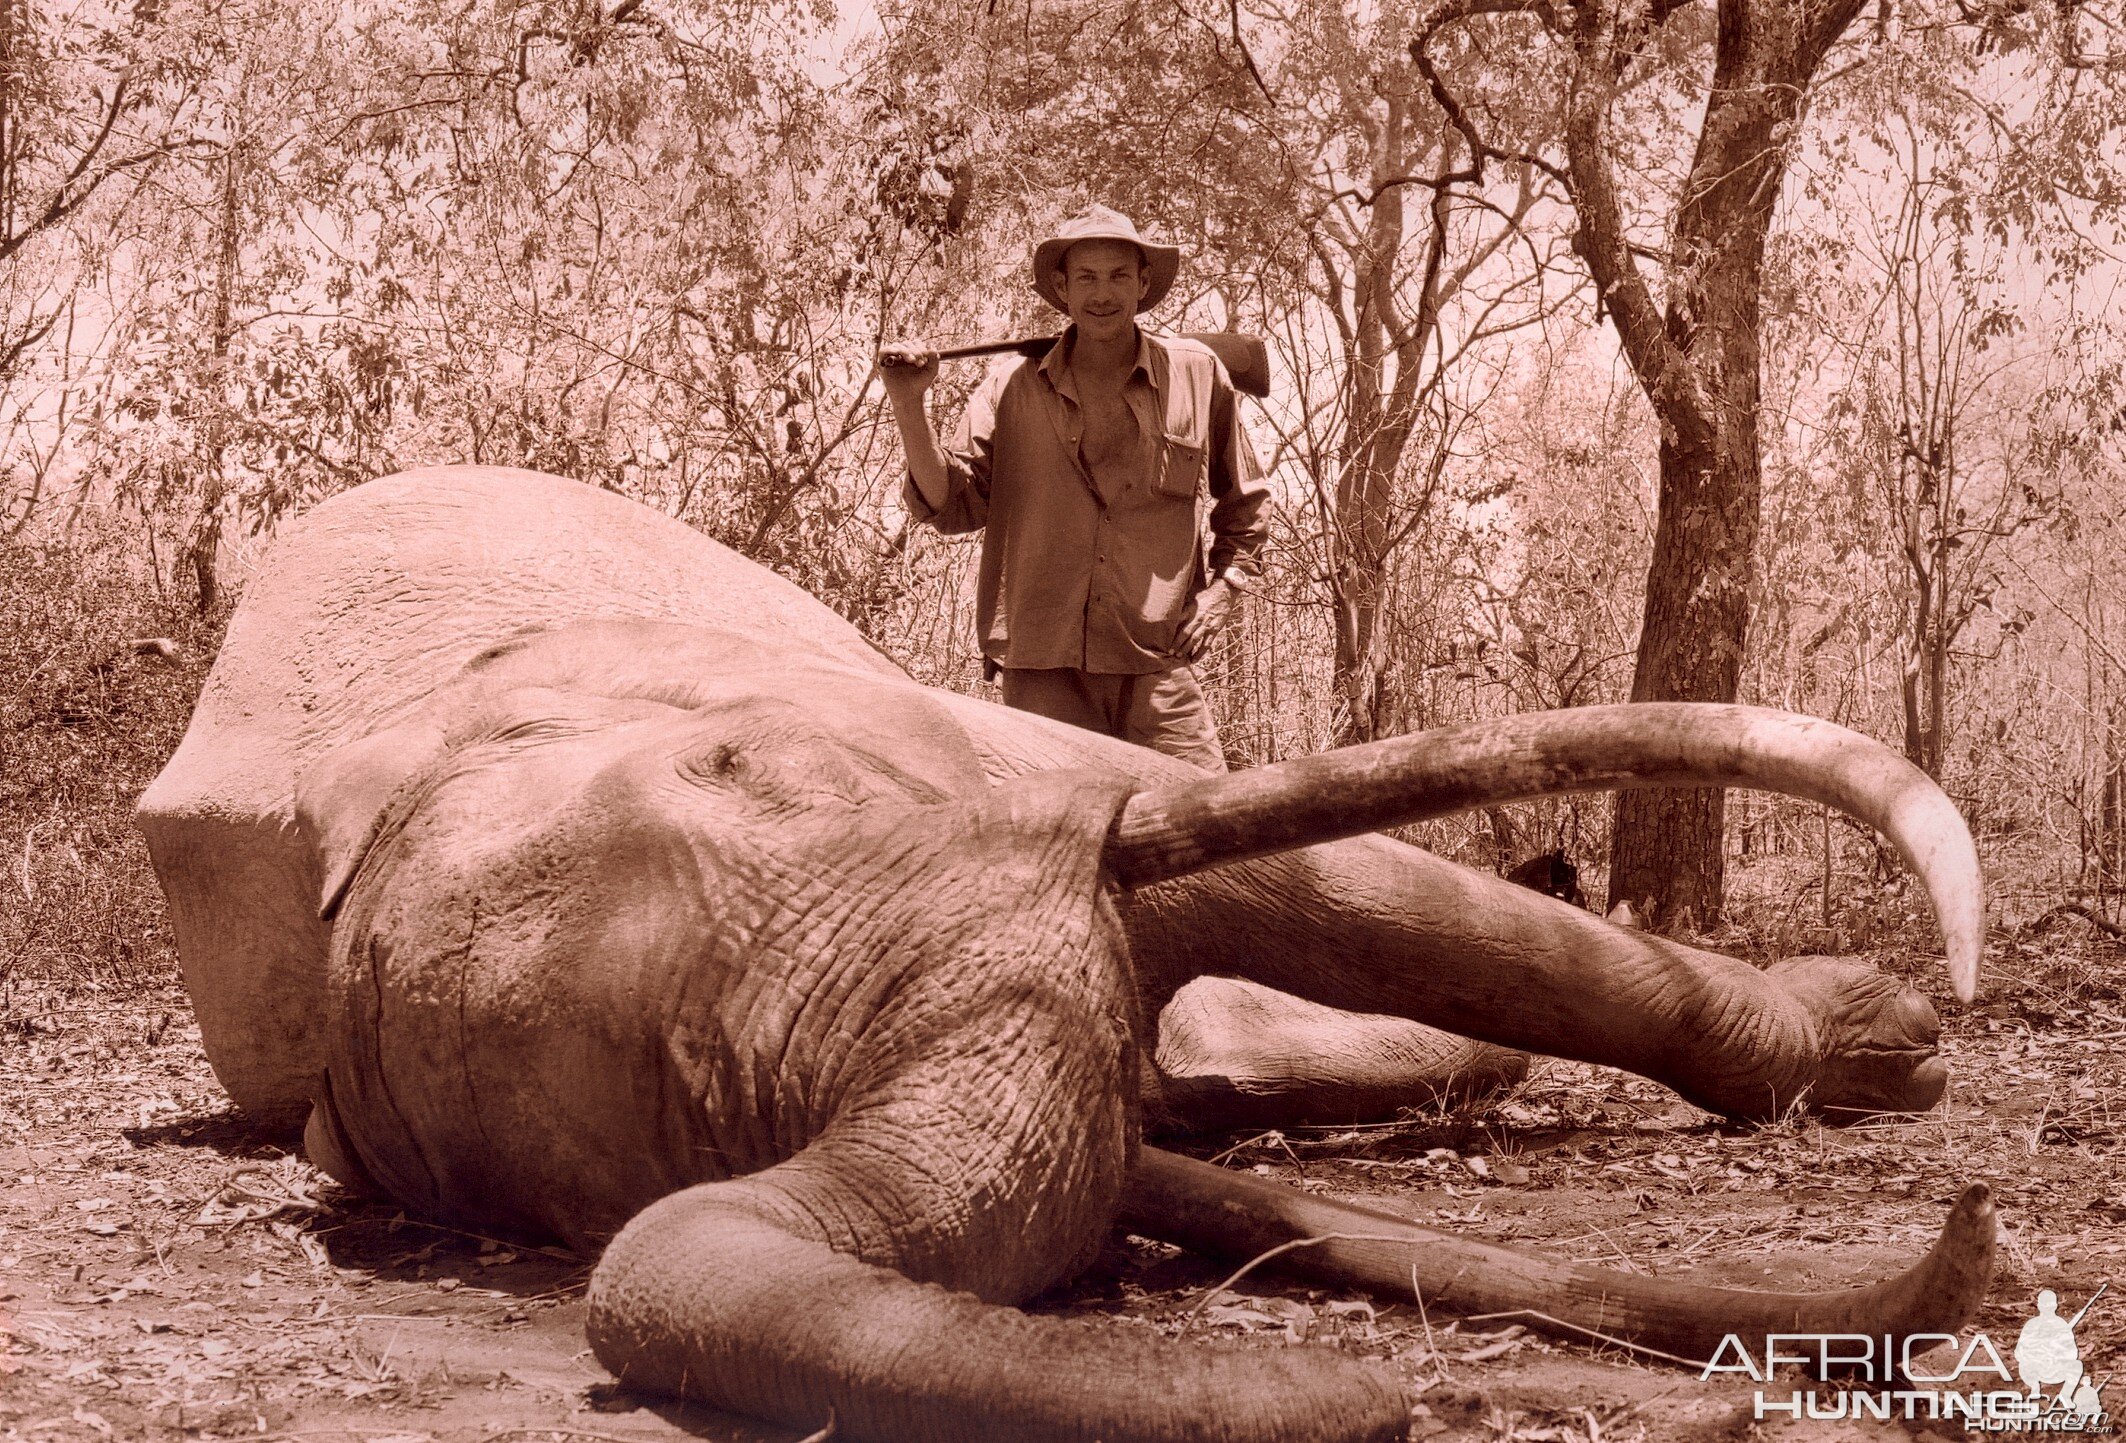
(577, 878)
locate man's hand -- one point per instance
(907, 368)
(1214, 608)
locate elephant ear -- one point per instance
(342, 802)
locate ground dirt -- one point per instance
(169, 1272)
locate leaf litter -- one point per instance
(168, 1272)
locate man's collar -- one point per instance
(1054, 364)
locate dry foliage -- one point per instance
(87, 717)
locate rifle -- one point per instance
(2077, 1318)
(1245, 357)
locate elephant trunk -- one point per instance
(1208, 1209)
(1191, 826)
(700, 1297)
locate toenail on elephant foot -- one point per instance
(1237, 1054)
(1876, 1039)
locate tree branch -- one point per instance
(1233, 11)
(1603, 241)
(64, 205)
(2075, 909)
(12, 352)
(1480, 149)
(66, 200)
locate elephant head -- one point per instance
(820, 998)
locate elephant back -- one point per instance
(363, 608)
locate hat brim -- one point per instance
(1161, 263)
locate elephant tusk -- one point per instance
(1175, 830)
(1208, 1209)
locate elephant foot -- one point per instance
(325, 1144)
(1237, 1054)
(1876, 1039)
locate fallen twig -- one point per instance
(558, 1254)
(1439, 1364)
(2075, 909)
(1189, 1318)
(29, 838)
(252, 1193)
(1599, 1337)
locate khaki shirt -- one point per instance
(1074, 578)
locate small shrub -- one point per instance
(88, 715)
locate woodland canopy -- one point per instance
(1803, 309)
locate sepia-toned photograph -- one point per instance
(1062, 721)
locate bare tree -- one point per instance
(1696, 353)
(1949, 436)
(87, 114)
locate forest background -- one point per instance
(1826, 290)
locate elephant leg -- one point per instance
(1237, 1054)
(1235, 1215)
(1372, 925)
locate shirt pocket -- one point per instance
(1181, 467)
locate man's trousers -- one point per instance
(1163, 710)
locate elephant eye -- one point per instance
(720, 763)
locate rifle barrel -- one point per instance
(2076, 1320)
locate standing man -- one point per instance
(1086, 472)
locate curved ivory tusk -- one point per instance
(1175, 830)
(1208, 1209)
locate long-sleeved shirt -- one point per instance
(1072, 576)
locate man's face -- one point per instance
(1101, 282)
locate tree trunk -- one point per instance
(13, 22)
(204, 552)
(1369, 454)
(1698, 363)
(1908, 696)
(1939, 639)
(1923, 688)
(1362, 683)
(1666, 857)
(2111, 815)
(1382, 415)
(1916, 559)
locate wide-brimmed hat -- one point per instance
(1097, 222)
